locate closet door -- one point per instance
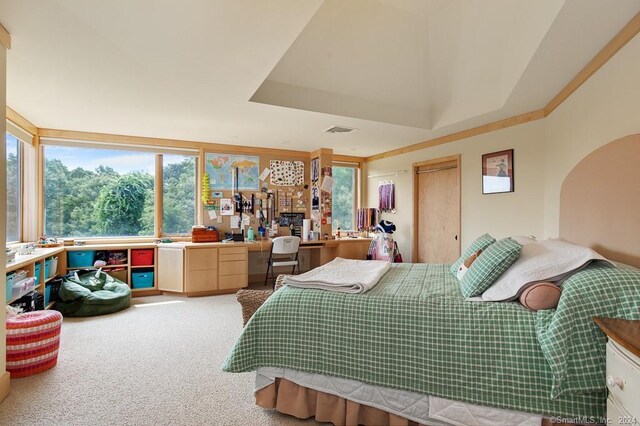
(437, 211)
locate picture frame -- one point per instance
(226, 207)
(497, 172)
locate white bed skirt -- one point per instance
(410, 405)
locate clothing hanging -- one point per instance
(367, 219)
(387, 197)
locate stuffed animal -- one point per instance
(464, 266)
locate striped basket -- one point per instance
(33, 339)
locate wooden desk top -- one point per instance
(261, 245)
(625, 332)
(38, 254)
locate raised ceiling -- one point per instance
(278, 73)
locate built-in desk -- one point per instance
(312, 254)
(199, 269)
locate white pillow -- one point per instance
(549, 260)
(523, 239)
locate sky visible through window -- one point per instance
(120, 161)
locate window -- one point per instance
(14, 191)
(344, 197)
(95, 192)
(178, 194)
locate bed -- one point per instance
(390, 355)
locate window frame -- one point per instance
(357, 177)
(158, 152)
(160, 194)
(21, 164)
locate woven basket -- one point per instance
(251, 300)
(33, 339)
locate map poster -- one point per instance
(220, 168)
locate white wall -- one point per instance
(515, 213)
(605, 108)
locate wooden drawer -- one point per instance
(224, 257)
(233, 268)
(233, 281)
(202, 281)
(202, 258)
(233, 250)
(623, 378)
(617, 415)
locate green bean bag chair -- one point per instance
(90, 292)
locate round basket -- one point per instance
(33, 339)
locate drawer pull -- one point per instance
(615, 381)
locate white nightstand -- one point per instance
(623, 370)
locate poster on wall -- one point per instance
(315, 165)
(315, 198)
(221, 169)
(326, 198)
(287, 173)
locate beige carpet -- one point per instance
(156, 363)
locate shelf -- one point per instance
(50, 305)
(13, 299)
(49, 279)
(143, 266)
(124, 265)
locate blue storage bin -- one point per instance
(47, 295)
(9, 287)
(47, 267)
(142, 279)
(36, 273)
(80, 259)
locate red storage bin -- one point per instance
(142, 257)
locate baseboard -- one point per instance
(4, 385)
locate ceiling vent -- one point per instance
(339, 129)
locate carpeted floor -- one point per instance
(156, 363)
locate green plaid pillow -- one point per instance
(488, 267)
(480, 243)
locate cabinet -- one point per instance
(202, 269)
(623, 370)
(234, 268)
(201, 272)
(39, 264)
(123, 260)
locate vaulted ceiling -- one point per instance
(278, 73)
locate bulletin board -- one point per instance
(286, 192)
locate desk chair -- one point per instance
(284, 252)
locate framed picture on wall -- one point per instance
(226, 207)
(497, 172)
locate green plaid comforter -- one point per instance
(414, 331)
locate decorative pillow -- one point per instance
(462, 269)
(540, 296)
(489, 266)
(481, 243)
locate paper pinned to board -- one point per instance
(327, 184)
(235, 221)
(246, 220)
(212, 214)
(265, 173)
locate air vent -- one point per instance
(339, 129)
